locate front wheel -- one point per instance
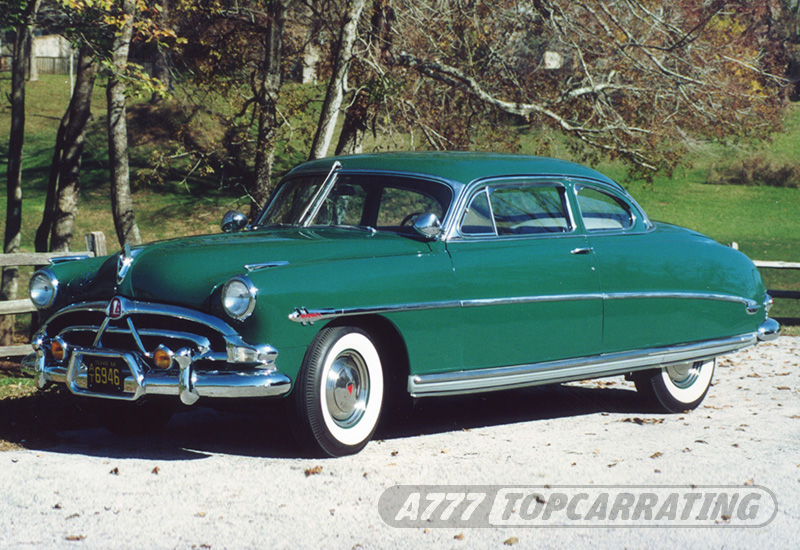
(676, 388)
(338, 394)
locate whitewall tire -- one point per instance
(338, 394)
(676, 388)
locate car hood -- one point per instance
(186, 271)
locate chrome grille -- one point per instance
(141, 329)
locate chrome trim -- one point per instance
(310, 316)
(231, 337)
(567, 370)
(769, 330)
(749, 304)
(251, 290)
(768, 303)
(625, 197)
(70, 258)
(125, 261)
(428, 226)
(504, 182)
(232, 221)
(265, 265)
(189, 384)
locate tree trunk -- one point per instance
(311, 47)
(266, 104)
(11, 241)
(33, 63)
(64, 185)
(351, 137)
(335, 91)
(121, 203)
(161, 64)
(42, 238)
(357, 114)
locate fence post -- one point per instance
(96, 242)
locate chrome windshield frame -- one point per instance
(322, 193)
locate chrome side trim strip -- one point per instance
(310, 316)
(567, 370)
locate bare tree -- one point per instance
(371, 87)
(121, 202)
(22, 16)
(338, 81)
(632, 80)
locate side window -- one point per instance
(399, 204)
(478, 217)
(517, 210)
(602, 212)
(343, 206)
(530, 209)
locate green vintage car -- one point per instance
(373, 278)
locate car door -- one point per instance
(525, 275)
(642, 273)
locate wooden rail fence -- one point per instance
(95, 246)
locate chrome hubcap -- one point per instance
(347, 389)
(684, 375)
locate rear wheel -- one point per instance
(338, 394)
(676, 388)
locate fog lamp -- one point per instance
(58, 349)
(162, 357)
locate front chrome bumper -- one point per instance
(187, 383)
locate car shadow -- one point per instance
(57, 421)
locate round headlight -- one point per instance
(239, 297)
(43, 287)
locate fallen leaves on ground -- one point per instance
(642, 421)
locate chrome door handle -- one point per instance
(588, 250)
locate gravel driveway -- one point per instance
(233, 480)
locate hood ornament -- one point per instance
(125, 261)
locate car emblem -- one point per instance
(115, 310)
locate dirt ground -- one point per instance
(235, 479)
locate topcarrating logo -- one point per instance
(577, 506)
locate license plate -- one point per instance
(106, 374)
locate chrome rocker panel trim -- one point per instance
(568, 370)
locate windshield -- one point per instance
(389, 203)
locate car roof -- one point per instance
(459, 167)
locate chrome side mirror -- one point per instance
(233, 221)
(428, 225)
